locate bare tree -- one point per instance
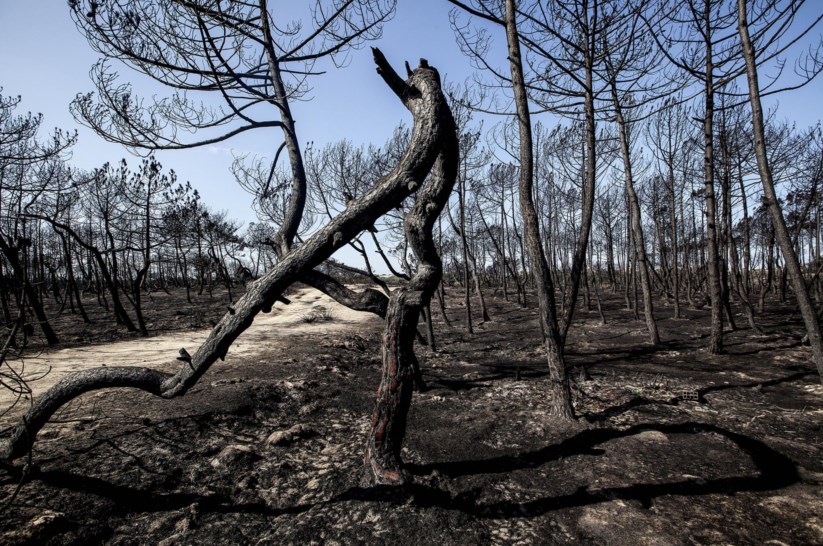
(433, 145)
(630, 67)
(775, 19)
(696, 36)
(29, 169)
(561, 405)
(666, 134)
(234, 51)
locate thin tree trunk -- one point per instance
(561, 402)
(12, 256)
(464, 247)
(636, 221)
(675, 243)
(715, 292)
(781, 231)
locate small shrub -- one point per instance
(318, 313)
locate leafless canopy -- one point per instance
(248, 59)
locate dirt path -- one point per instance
(159, 352)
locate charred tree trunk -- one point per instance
(297, 199)
(587, 194)
(713, 263)
(675, 242)
(433, 135)
(12, 254)
(636, 221)
(464, 245)
(561, 400)
(72, 282)
(781, 231)
(726, 228)
(102, 269)
(388, 426)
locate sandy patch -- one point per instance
(159, 352)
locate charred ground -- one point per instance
(674, 446)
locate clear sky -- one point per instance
(46, 61)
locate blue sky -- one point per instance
(46, 60)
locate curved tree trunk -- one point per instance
(433, 129)
(388, 427)
(297, 199)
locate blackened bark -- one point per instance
(561, 400)
(733, 259)
(433, 130)
(441, 292)
(713, 265)
(120, 313)
(12, 255)
(587, 194)
(297, 199)
(636, 222)
(369, 300)
(804, 301)
(388, 425)
(72, 282)
(71, 387)
(726, 227)
(464, 247)
(675, 243)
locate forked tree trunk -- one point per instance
(388, 426)
(433, 131)
(804, 301)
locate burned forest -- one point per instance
(436, 272)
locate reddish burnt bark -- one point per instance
(388, 427)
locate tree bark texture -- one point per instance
(433, 130)
(388, 425)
